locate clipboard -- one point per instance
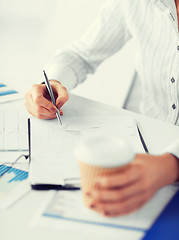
(57, 168)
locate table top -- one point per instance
(15, 221)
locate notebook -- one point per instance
(53, 145)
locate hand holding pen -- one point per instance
(50, 91)
(38, 100)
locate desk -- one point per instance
(14, 222)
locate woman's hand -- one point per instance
(129, 190)
(38, 102)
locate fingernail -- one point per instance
(92, 205)
(88, 194)
(59, 106)
(61, 113)
(106, 213)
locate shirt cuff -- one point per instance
(173, 148)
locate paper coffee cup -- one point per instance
(101, 155)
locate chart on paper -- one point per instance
(8, 94)
(13, 135)
(13, 131)
(13, 184)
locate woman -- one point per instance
(154, 26)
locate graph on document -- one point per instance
(10, 178)
(8, 94)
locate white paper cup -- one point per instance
(101, 155)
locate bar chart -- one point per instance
(12, 184)
(7, 94)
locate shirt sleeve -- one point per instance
(173, 148)
(106, 36)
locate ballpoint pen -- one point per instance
(50, 91)
(142, 140)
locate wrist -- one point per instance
(171, 167)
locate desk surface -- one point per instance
(14, 222)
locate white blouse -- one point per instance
(154, 26)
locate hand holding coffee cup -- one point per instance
(101, 155)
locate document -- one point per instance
(7, 94)
(13, 135)
(53, 145)
(64, 210)
(13, 143)
(13, 184)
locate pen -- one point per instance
(53, 187)
(142, 140)
(50, 91)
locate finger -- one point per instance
(41, 116)
(27, 100)
(41, 113)
(120, 208)
(62, 95)
(38, 92)
(38, 111)
(116, 195)
(131, 174)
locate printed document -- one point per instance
(53, 145)
(65, 210)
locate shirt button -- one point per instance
(173, 106)
(173, 80)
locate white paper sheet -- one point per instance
(53, 145)
(11, 95)
(65, 210)
(13, 144)
(13, 135)
(13, 184)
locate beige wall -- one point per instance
(31, 31)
